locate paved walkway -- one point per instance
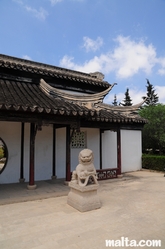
(18, 192)
(132, 207)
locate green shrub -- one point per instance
(1, 152)
(153, 162)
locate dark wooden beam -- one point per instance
(101, 131)
(28, 117)
(119, 151)
(54, 153)
(22, 154)
(32, 156)
(68, 172)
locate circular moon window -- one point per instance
(3, 155)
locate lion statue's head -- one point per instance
(86, 157)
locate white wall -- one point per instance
(131, 150)
(109, 149)
(26, 151)
(10, 132)
(44, 153)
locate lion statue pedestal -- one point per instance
(83, 186)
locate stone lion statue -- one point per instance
(85, 172)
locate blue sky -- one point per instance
(123, 39)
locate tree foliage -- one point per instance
(115, 100)
(1, 152)
(153, 98)
(127, 100)
(154, 132)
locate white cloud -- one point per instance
(161, 71)
(101, 63)
(125, 60)
(40, 14)
(160, 91)
(95, 64)
(18, 1)
(136, 95)
(92, 45)
(26, 57)
(161, 61)
(130, 57)
(78, 0)
(53, 2)
(66, 61)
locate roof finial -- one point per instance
(97, 75)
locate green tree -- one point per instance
(115, 100)
(153, 98)
(153, 134)
(127, 100)
(1, 152)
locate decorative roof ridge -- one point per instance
(89, 100)
(10, 60)
(124, 108)
(128, 111)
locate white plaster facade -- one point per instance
(10, 132)
(131, 150)
(109, 149)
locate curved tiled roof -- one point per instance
(21, 92)
(20, 96)
(41, 69)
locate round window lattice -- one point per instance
(3, 155)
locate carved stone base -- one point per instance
(119, 176)
(83, 198)
(31, 187)
(54, 177)
(21, 180)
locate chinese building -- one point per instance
(48, 114)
